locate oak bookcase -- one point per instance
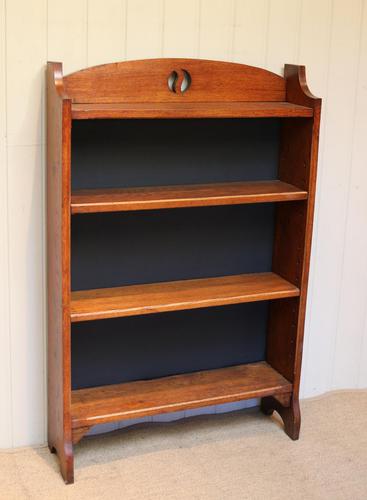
(180, 208)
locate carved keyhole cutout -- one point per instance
(174, 81)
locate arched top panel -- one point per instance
(173, 80)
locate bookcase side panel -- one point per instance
(293, 230)
(58, 275)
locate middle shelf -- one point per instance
(194, 195)
(132, 300)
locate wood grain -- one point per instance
(289, 410)
(136, 399)
(195, 195)
(190, 110)
(134, 300)
(146, 81)
(58, 272)
(299, 142)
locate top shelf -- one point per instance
(84, 111)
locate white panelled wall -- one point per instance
(328, 36)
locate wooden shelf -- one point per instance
(150, 397)
(195, 195)
(83, 111)
(178, 295)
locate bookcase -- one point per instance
(180, 208)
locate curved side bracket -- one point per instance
(79, 433)
(297, 90)
(55, 78)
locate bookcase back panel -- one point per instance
(145, 347)
(119, 249)
(125, 153)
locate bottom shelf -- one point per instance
(180, 392)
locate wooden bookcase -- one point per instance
(180, 207)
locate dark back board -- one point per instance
(145, 347)
(124, 153)
(182, 243)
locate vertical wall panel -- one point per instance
(26, 293)
(314, 48)
(283, 34)
(181, 32)
(216, 29)
(6, 431)
(67, 33)
(144, 29)
(250, 31)
(106, 31)
(339, 115)
(26, 52)
(362, 379)
(314, 43)
(353, 290)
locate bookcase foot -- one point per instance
(290, 415)
(65, 454)
(67, 463)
